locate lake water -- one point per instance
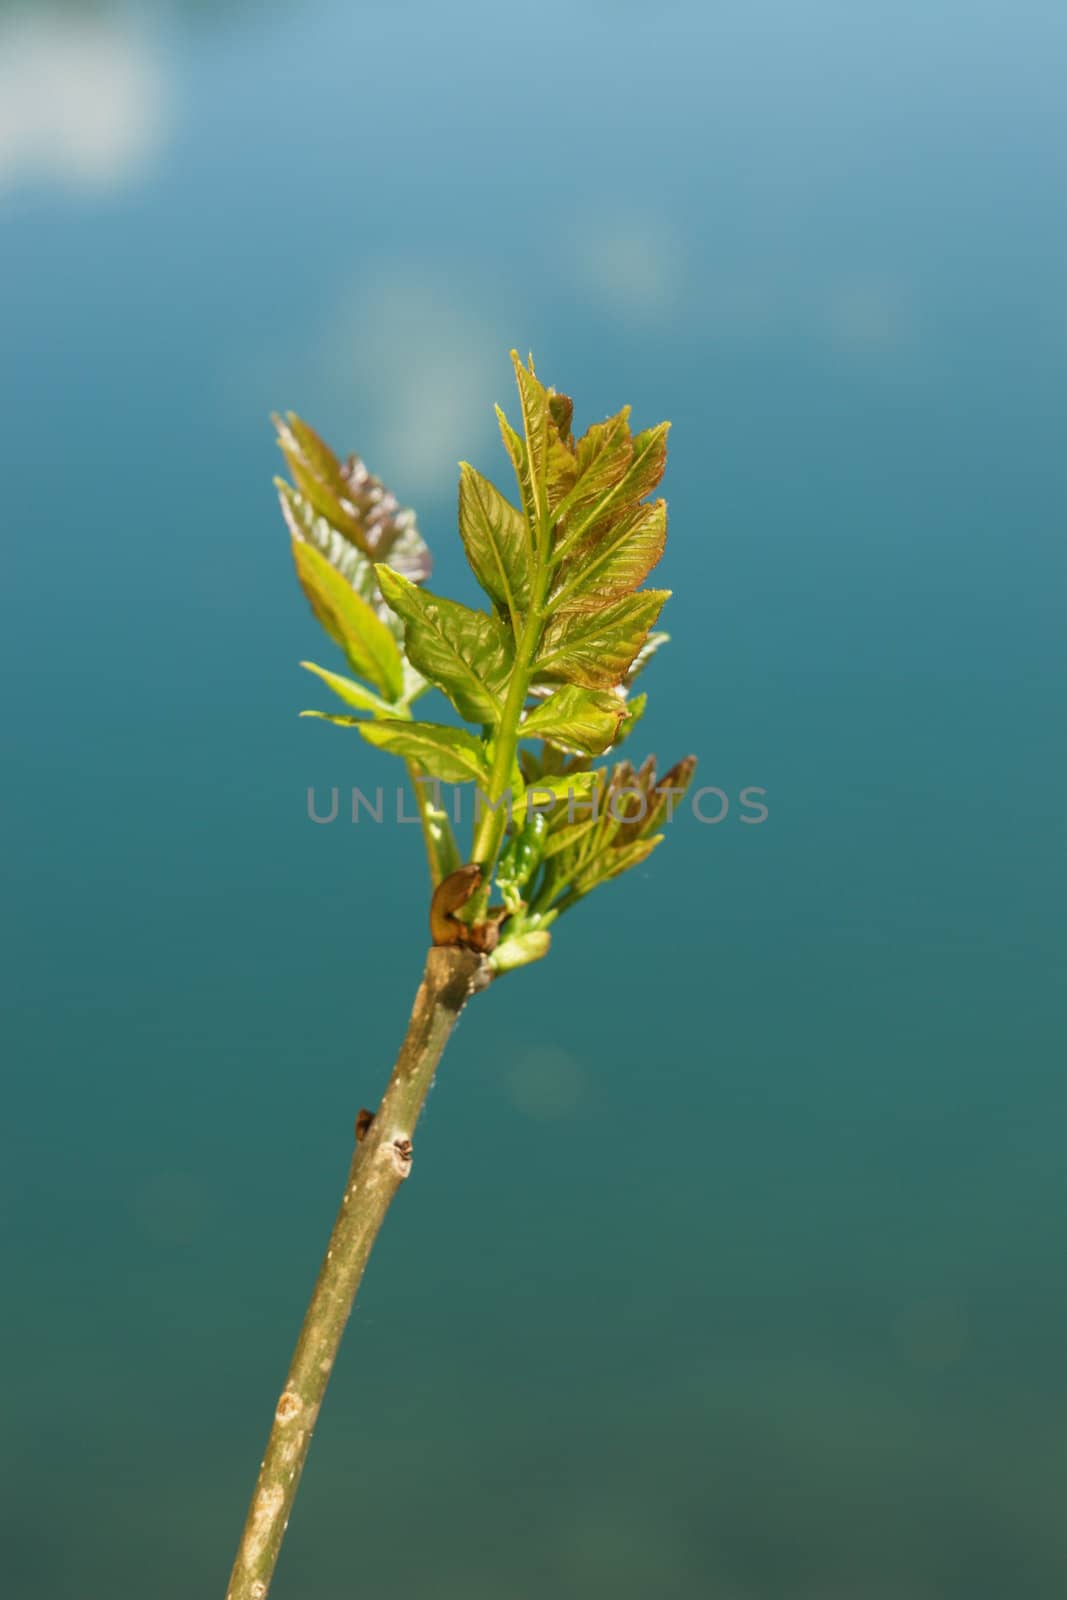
(734, 1262)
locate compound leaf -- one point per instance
(613, 862)
(451, 754)
(465, 653)
(350, 621)
(584, 720)
(596, 648)
(496, 538)
(352, 500)
(604, 566)
(352, 693)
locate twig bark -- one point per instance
(382, 1161)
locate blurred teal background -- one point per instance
(734, 1265)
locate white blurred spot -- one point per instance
(418, 357)
(83, 101)
(632, 271)
(547, 1084)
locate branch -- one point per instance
(382, 1161)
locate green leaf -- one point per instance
(317, 474)
(602, 456)
(648, 457)
(661, 795)
(352, 693)
(334, 717)
(635, 710)
(573, 787)
(355, 503)
(389, 531)
(369, 645)
(303, 447)
(648, 464)
(606, 565)
(561, 408)
(583, 851)
(550, 467)
(310, 527)
(568, 834)
(585, 720)
(451, 754)
(520, 950)
(497, 541)
(465, 653)
(536, 424)
(516, 450)
(612, 863)
(596, 648)
(441, 847)
(626, 799)
(306, 525)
